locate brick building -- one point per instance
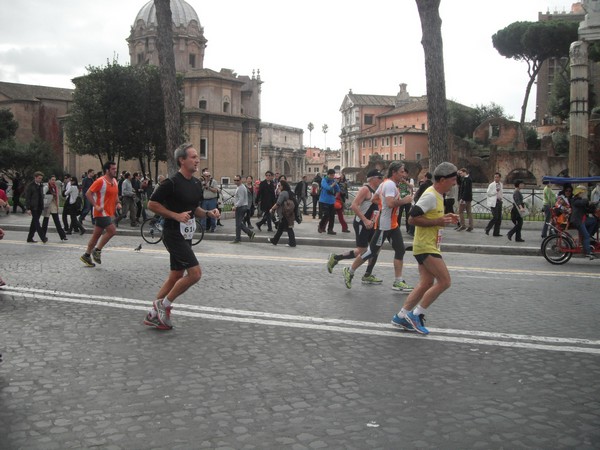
(37, 109)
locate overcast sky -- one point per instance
(309, 53)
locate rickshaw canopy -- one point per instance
(569, 180)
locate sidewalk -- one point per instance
(306, 234)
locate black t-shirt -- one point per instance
(178, 194)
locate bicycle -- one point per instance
(561, 244)
(152, 229)
(558, 248)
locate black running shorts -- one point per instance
(182, 256)
(423, 256)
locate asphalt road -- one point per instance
(271, 351)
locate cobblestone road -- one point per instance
(271, 351)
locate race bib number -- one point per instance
(187, 229)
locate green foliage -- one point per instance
(28, 158)
(375, 158)
(535, 42)
(560, 140)
(463, 121)
(491, 111)
(532, 141)
(8, 125)
(118, 112)
(594, 51)
(559, 103)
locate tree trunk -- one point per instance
(532, 71)
(168, 80)
(433, 48)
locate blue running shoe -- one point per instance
(417, 322)
(401, 322)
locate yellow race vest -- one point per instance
(429, 239)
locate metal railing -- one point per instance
(533, 198)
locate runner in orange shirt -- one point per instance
(103, 194)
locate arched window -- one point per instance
(226, 103)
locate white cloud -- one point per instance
(309, 53)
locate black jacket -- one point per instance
(266, 195)
(580, 206)
(465, 190)
(34, 198)
(300, 189)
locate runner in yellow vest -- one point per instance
(429, 220)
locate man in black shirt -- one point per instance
(17, 187)
(178, 199)
(465, 197)
(85, 185)
(301, 193)
(34, 199)
(266, 198)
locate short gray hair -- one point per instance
(181, 152)
(394, 167)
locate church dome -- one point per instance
(181, 11)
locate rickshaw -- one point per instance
(561, 244)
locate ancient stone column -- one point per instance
(579, 115)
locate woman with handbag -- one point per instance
(51, 208)
(517, 212)
(73, 205)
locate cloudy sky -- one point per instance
(309, 53)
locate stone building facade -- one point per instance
(390, 127)
(500, 132)
(221, 109)
(282, 151)
(189, 41)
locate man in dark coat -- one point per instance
(465, 197)
(301, 193)
(34, 199)
(17, 188)
(266, 198)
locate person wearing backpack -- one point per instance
(286, 210)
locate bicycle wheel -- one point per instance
(151, 230)
(554, 249)
(199, 233)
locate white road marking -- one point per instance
(545, 343)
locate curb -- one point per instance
(333, 242)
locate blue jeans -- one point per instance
(240, 213)
(585, 238)
(209, 205)
(87, 207)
